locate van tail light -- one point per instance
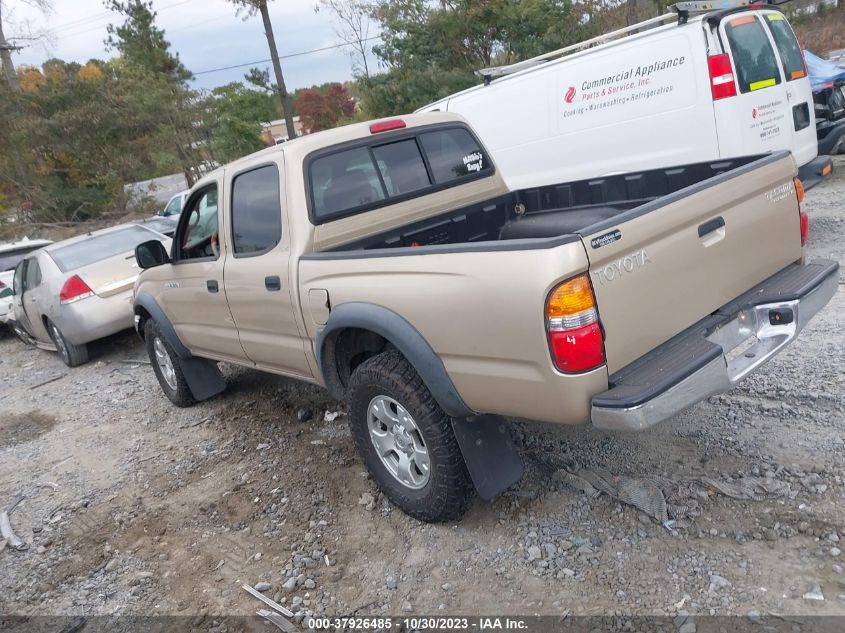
(721, 76)
(74, 290)
(575, 339)
(802, 213)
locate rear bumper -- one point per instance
(815, 171)
(718, 352)
(96, 317)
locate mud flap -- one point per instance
(203, 377)
(491, 458)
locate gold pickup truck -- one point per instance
(388, 262)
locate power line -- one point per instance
(289, 55)
(105, 16)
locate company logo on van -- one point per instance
(753, 113)
(570, 94)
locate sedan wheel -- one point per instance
(71, 354)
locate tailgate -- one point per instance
(662, 267)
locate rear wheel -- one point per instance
(406, 439)
(167, 366)
(72, 355)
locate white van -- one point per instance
(677, 89)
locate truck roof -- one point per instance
(304, 145)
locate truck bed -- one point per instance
(550, 211)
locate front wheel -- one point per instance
(407, 440)
(72, 355)
(167, 366)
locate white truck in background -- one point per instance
(707, 82)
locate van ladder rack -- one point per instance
(495, 72)
(682, 10)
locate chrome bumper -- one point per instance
(748, 341)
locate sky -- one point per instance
(205, 33)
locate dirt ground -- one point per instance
(133, 506)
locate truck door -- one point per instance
(799, 94)
(257, 273)
(195, 301)
(757, 118)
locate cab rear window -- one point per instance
(351, 181)
(754, 58)
(790, 53)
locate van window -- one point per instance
(256, 211)
(401, 166)
(790, 53)
(344, 180)
(756, 65)
(453, 154)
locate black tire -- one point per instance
(72, 355)
(448, 490)
(179, 393)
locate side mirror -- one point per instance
(151, 254)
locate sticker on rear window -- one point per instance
(607, 238)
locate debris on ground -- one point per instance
(664, 499)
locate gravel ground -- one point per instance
(133, 506)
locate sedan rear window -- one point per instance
(756, 65)
(99, 247)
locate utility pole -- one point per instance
(277, 69)
(6, 56)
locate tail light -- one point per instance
(74, 290)
(575, 338)
(2, 285)
(802, 214)
(721, 76)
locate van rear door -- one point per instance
(799, 94)
(758, 118)
(659, 268)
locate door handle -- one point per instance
(710, 226)
(212, 286)
(273, 283)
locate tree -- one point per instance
(7, 45)
(433, 48)
(260, 6)
(353, 29)
(236, 113)
(140, 43)
(324, 109)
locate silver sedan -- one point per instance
(76, 291)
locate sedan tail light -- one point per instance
(74, 290)
(575, 338)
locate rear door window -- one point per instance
(32, 279)
(99, 247)
(256, 211)
(754, 58)
(790, 52)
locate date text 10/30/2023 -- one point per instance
(420, 623)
